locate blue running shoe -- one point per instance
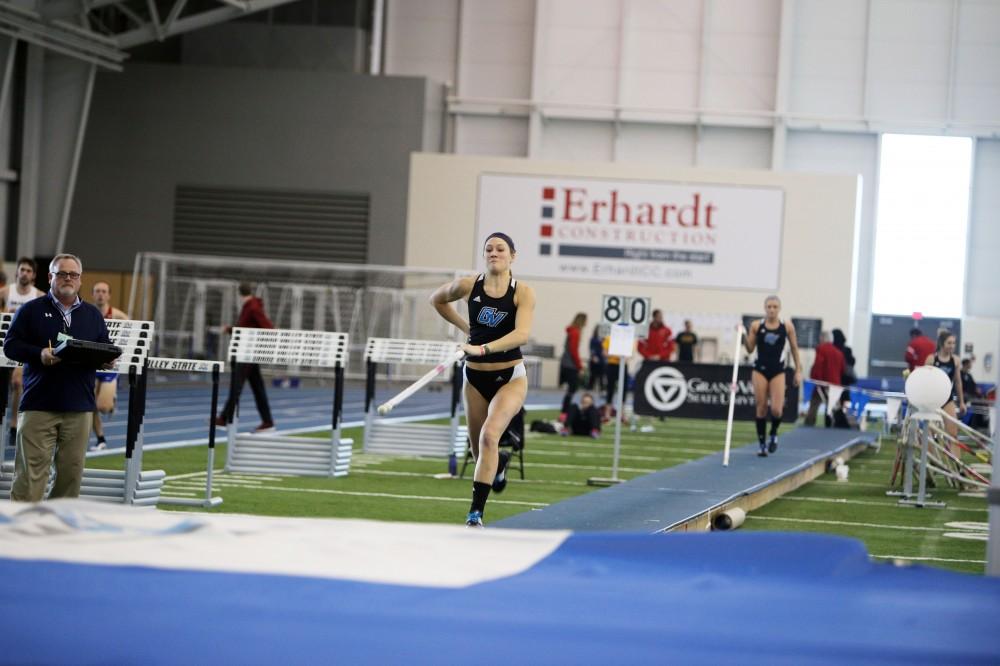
(474, 519)
(763, 450)
(500, 480)
(772, 446)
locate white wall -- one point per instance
(798, 85)
(442, 210)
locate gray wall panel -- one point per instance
(154, 127)
(982, 297)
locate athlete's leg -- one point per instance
(498, 414)
(504, 406)
(234, 395)
(759, 394)
(256, 381)
(106, 395)
(776, 394)
(476, 409)
(760, 407)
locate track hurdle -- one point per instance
(413, 439)
(6, 366)
(215, 368)
(276, 454)
(132, 485)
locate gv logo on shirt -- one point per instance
(491, 317)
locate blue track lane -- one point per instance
(180, 412)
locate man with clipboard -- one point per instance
(54, 416)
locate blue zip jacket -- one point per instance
(63, 387)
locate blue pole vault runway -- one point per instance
(667, 498)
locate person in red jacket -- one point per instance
(828, 367)
(919, 349)
(252, 315)
(658, 345)
(570, 365)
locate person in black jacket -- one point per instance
(849, 377)
(54, 416)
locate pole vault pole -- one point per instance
(732, 395)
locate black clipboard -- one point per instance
(85, 352)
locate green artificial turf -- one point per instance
(557, 468)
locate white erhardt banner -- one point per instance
(656, 232)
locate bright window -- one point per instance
(921, 225)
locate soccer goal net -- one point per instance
(194, 299)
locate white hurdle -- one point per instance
(276, 454)
(216, 368)
(131, 485)
(413, 439)
(6, 366)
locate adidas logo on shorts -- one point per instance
(477, 300)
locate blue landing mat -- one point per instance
(642, 599)
(660, 500)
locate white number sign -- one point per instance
(634, 310)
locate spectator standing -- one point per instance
(919, 348)
(252, 315)
(686, 341)
(658, 344)
(570, 365)
(971, 390)
(969, 385)
(848, 376)
(829, 368)
(944, 357)
(106, 390)
(611, 380)
(598, 360)
(14, 296)
(58, 403)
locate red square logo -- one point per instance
(546, 231)
(549, 193)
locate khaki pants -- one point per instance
(819, 396)
(42, 436)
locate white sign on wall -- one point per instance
(655, 232)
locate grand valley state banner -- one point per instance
(657, 232)
(701, 391)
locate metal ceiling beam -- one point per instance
(60, 36)
(148, 33)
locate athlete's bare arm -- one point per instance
(793, 341)
(446, 294)
(750, 342)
